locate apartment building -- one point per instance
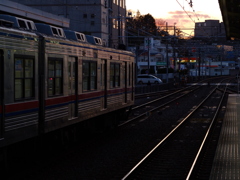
(210, 28)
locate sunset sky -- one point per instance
(172, 11)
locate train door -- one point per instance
(125, 81)
(132, 80)
(104, 81)
(72, 87)
(1, 92)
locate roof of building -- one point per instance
(231, 17)
(12, 8)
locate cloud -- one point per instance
(185, 19)
(193, 16)
(178, 12)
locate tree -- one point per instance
(160, 23)
(142, 24)
(148, 23)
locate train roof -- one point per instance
(74, 35)
(25, 26)
(19, 22)
(5, 23)
(94, 40)
(50, 30)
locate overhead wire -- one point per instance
(191, 6)
(185, 11)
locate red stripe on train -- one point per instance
(115, 91)
(90, 95)
(59, 100)
(21, 106)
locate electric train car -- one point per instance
(49, 81)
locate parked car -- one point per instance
(148, 78)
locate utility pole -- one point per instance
(148, 54)
(167, 51)
(119, 24)
(199, 63)
(174, 55)
(110, 23)
(222, 54)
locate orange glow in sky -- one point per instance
(178, 11)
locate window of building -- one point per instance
(92, 15)
(24, 78)
(103, 20)
(121, 3)
(92, 23)
(124, 3)
(55, 76)
(115, 23)
(89, 75)
(84, 15)
(114, 75)
(105, 4)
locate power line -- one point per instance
(185, 11)
(191, 5)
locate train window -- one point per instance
(79, 37)
(54, 30)
(55, 76)
(24, 78)
(89, 75)
(96, 40)
(60, 32)
(114, 75)
(129, 75)
(22, 23)
(29, 25)
(83, 37)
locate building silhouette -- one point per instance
(210, 29)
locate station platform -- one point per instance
(226, 163)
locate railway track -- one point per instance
(113, 154)
(177, 154)
(145, 109)
(151, 102)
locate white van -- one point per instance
(146, 78)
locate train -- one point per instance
(51, 78)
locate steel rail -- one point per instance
(166, 137)
(206, 136)
(154, 109)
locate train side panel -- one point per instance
(19, 88)
(94, 94)
(48, 83)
